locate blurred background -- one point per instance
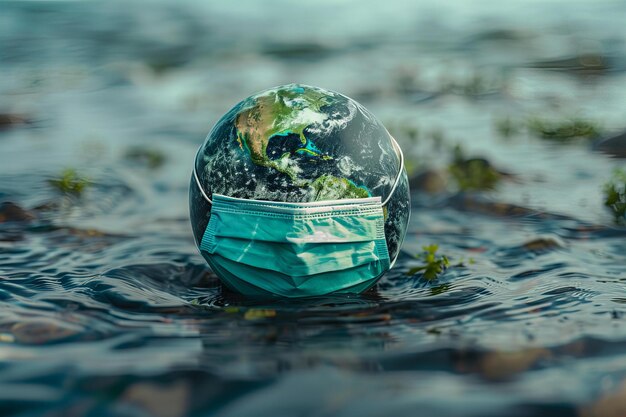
(512, 116)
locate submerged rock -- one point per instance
(430, 181)
(543, 244)
(8, 120)
(500, 365)
(43, 330)
(477, 204)
(613, 145)
(474, 174)
(612, 404)
(11, 212)
(161, 400)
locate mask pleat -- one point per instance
(244, 279)
(296, 250)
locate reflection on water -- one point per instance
(108, 309)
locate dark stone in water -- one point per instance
(431, 181)
(477, 204)
(43, 330)
(612, 404)
(501, 365)
(614, 145)
(542, 244)
(8, 120)
(11, 212)
(161, 400)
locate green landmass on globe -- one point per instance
(284, 111)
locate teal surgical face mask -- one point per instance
(297, 249)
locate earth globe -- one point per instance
(297, 143)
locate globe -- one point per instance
(298, 143)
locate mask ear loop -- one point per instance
(195, 175)
(400, 155)
(395, 186)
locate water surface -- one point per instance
(108, 309)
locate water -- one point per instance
(108, 309)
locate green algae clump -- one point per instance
(433, 265)
(473, 174)
(563, 131)
(615, 195)
(70, 182)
